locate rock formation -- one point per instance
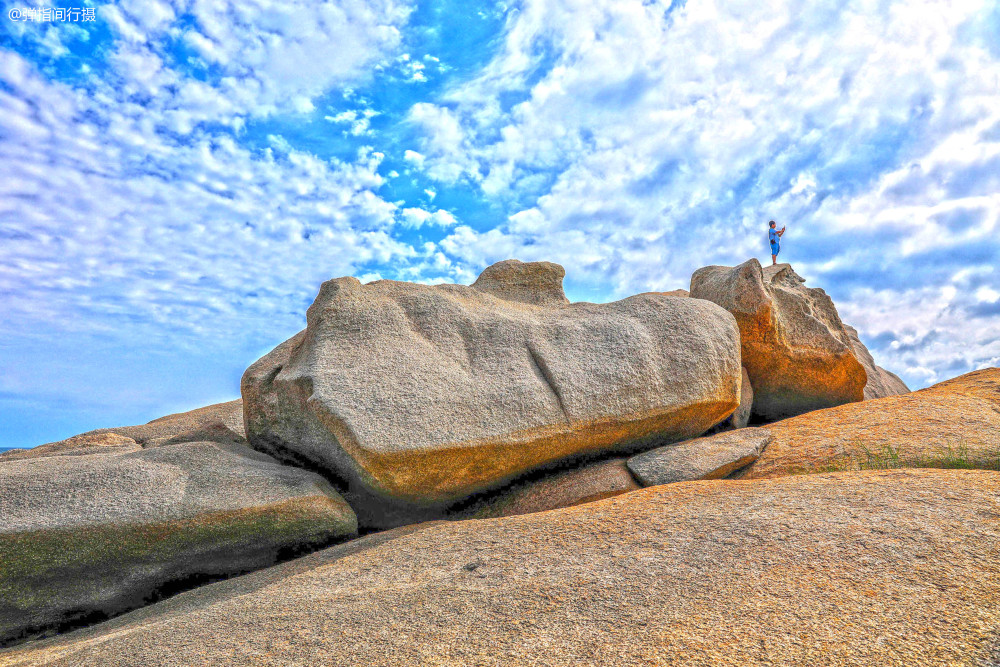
(416, 396)
(91, 535)
(873, 568)
(956, 422)
(222, 422)
(504, 401)
(797, 352)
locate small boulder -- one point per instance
(418, 396)
(538, 283)
(702, 458)
(797, 352)
(88, 536)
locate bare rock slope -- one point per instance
(416, 396)
(895, 568)
(956, 422)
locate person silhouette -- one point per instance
(773, 236)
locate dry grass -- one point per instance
(949, 457)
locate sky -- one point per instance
(177, 177)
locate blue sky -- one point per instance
(177, 177)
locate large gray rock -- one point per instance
(714, 457)
(881, 383)
(417, 396)
(222, 422)
(797, 352)
(92, 535)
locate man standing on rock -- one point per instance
(773, 235)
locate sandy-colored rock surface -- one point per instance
(100, 442)
(702, 458)
(955, 420)
(222, 422)
(796, 350)
(100, 533)
(897, 568)
(418, 396)
(881, 382)
(559, 488)
(538, 283)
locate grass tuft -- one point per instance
(863, 457)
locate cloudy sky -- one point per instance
(177, 177)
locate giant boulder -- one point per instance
(417, 396)
(83, 536)
(797, 352)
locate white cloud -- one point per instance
(184, 240)
(414, 157)
(634, 153)
(269, 56)
(987, 295)
(417, 217)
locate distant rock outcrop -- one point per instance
(952, 424)
(222, 422)
(95, 442)
(877, 568)
(93, 534)
(881, 383)
(416, 396)
(797, 352)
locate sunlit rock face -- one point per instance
(417, 396)
(798, 354)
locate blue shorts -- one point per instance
(775, 248)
